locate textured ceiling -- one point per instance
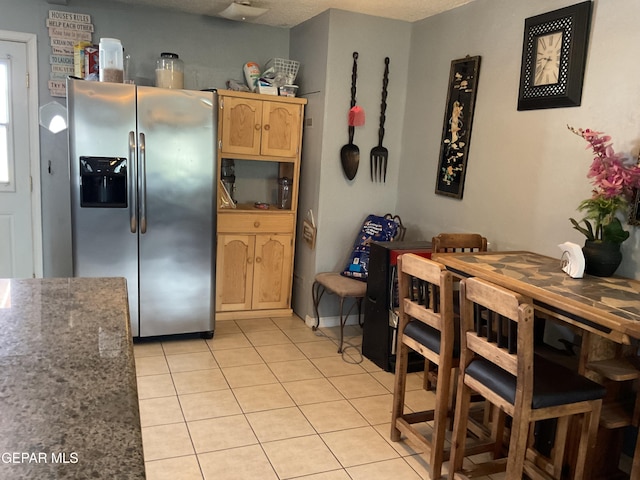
(288, 13)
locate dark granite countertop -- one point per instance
(68, 395)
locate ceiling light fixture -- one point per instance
(241, 11)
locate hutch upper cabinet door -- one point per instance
(259, 127)
(281, 129)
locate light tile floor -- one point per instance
(271, 399)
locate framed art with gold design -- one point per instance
(456, 130)
(554, 53)
(634, 209)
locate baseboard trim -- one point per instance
(327, 322)
(248, 314)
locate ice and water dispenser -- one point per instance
(103, 182)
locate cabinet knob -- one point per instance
(267, 127)
(258, 259)
(249, 260)
(258, 126)
(256, 224)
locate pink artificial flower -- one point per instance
(614, 179)
(611, 177)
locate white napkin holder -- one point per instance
(572, 260)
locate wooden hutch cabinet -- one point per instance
(261, 135)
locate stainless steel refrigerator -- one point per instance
(142, 163)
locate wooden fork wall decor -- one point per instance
(379, 154)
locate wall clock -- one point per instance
(553, 58)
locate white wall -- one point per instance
(344, 204)
(526, 173)
(341, 205)
(213, 50)
(309, 45)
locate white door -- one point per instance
(16, 221)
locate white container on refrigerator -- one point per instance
(160, 234)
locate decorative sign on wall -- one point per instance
(456, 131)
(65, 30)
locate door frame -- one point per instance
(30, 40)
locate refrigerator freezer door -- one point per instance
(176, 194)
(101, 117)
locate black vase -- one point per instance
(601, 258)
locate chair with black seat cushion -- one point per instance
(452, 243)
(347, 287)
(497, 361)
(426, 325)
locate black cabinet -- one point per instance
(381, 303)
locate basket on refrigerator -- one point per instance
(282, 67)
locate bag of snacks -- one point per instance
(374, 229)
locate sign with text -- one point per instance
(69, 16)
(66, 29)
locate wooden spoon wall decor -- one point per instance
(350, 153)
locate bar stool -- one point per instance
(426, 325)
(497, 361)
(452, 243)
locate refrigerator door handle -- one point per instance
(142, 184)
(133, 200)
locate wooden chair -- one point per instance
(451, 243)
(618, 369)
(458, 242)
(427, 326)
(345, 287)
(497, 361)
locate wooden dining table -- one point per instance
(608, 307)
